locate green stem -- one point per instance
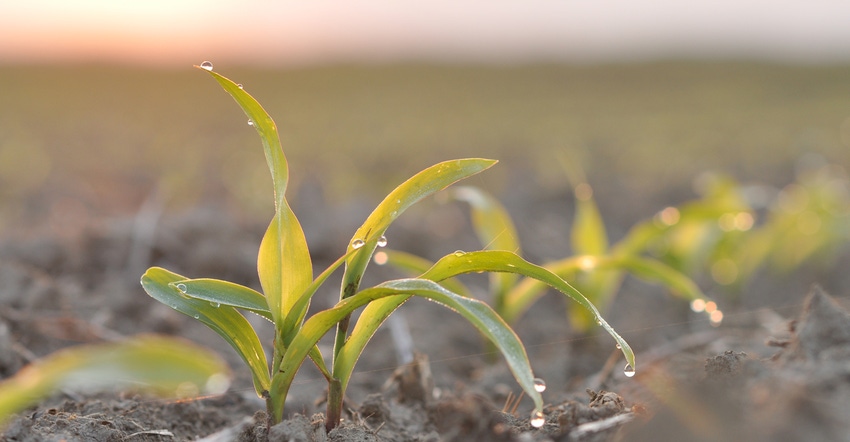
(334, 410)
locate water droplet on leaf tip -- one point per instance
(539, 385)
(357, 243)
(207, 65)
(629, 371)
(382, 241)
(538, 419)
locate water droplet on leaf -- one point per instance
(239, 86)
(196, 316)
(459, 253)
(538, 419)
(357, 243)
(629, 371)
(539, 385)
(382, 241)
(619, 347)
(215, 304)
(250, 122)
(181, 287)
(207, 65)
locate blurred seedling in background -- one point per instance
(286, 276)
(596, 269)
(717, 234)
(762, 227)
(166, 366)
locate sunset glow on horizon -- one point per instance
(263, 32)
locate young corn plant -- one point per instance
(286, 276)
(596, 269)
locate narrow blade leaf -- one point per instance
(500, 261)
(478, 313)
(424, 183)
(283, 263)
(163, 365)
(216, 291)
(224, 320)
(496, 231)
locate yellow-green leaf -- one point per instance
(163, 365)
(283, 263)
(224, 320)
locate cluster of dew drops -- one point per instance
(358, 243)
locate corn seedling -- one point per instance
(162, 365)
(596, 270)
(286, 276)
(716, 234)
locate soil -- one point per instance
(777, 369)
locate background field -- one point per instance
(101, 139)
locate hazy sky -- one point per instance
(177, 32)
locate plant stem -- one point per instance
(334, 410)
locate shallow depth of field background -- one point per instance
(107, 137)
(100, 108)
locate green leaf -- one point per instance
(424, 183)
(224, 320)
(652, 270)
(166, 366)
(415, 265)
(283, 263)
(478, 313)
(495, 229)
(500, 261)
(588, 233)
(491, 221)
(216, 291)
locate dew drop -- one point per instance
(538, 419)
(207, 65)
(619, 347)
(239, 86)
(196, 316)
(357, 243)
(629, 371)
(459, 253)
(382, 241)
(539, 385)
(250, 122)
(181, 287)
(598, 322)
(215, 304)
